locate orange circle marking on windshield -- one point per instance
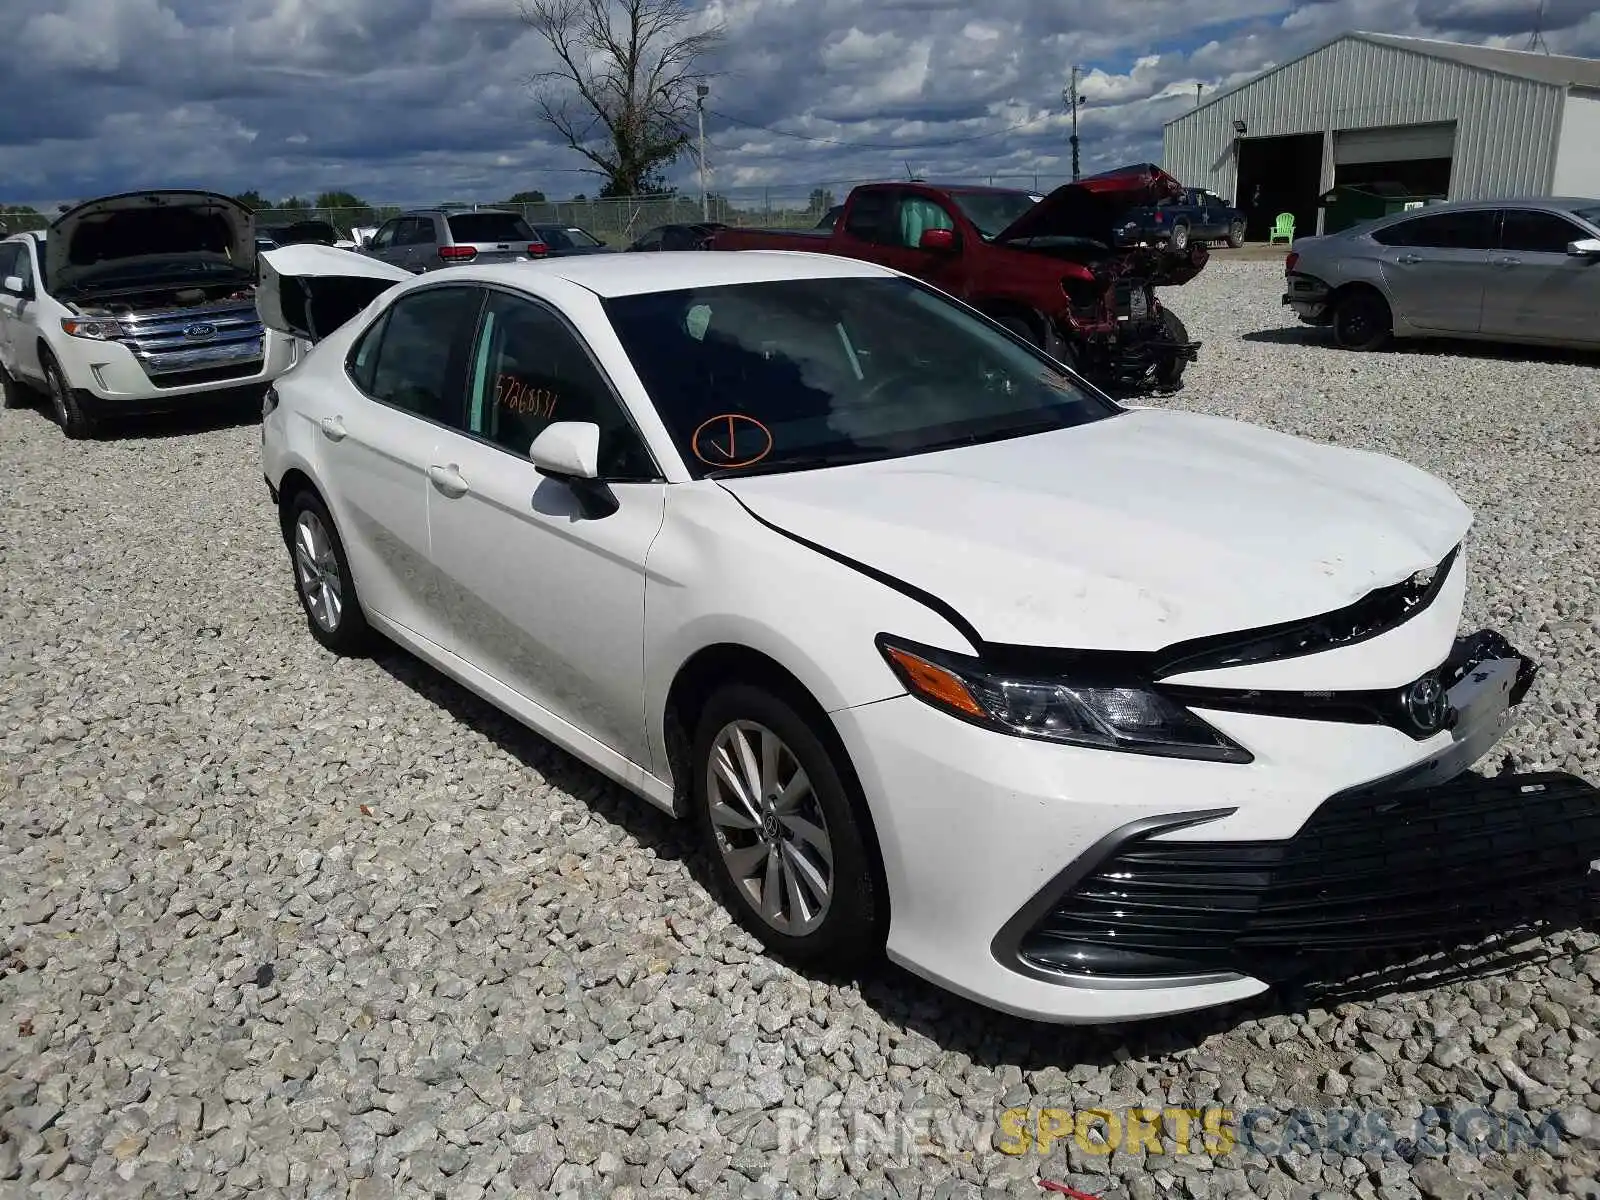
(731, 440)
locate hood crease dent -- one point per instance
(1130, 534)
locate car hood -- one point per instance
(1091, 206)
(309, 290)
(90, 242)
(1131, 533)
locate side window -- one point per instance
(529, 370)
(918, 214)
(363, 360)
(415, 231)
(421, 350)
(1535, 232)
(24, 264)
(868, 216)
(8, 259)
(384, 238)
(1469, 230)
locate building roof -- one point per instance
(1555, 69)
(1524, 64)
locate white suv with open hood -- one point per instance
(135, 304)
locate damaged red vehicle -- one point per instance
(1057, 270)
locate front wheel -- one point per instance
(1236, 234)
(64, 402)
(322, 578)
(1362, 321)
(1179, 238)
(782, 832)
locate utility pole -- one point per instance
(1073, 100)
(701, 91)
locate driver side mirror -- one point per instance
(569, 452)
(14, 286)
(941, 240)
(1583, 248)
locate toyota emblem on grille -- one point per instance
(1424, 702)
(199, 329)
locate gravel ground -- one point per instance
(276, 924)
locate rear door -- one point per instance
(1436, 268)
(1539, 292)
(495, 236)
(416, 244)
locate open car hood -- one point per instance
(1092, 206)
(190, 230)
(308, 291)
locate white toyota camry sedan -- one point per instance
(1086, 712)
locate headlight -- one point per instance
(1128, 716)
(100, 329)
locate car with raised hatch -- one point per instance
(1084, 711)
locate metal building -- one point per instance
(1396, 116)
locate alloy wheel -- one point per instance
(770, 828)
(317, 568)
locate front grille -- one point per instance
(182, 342)
(1373, 869)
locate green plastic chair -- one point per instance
(1283, 228)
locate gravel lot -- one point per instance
(277, 924)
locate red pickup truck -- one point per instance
(1060, 271)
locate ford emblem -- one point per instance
(200, 329)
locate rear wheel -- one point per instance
(1170, 373)
(1051, 342)
(12, 393)
(782, 832)
(1362, 321)
(69, 415)
(322, 577)
(1179, 238)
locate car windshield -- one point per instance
(802, 373)
(1589, 213)
(489, 227)
(991, 212)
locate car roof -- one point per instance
(639, 274)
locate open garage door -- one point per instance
(1415, 159)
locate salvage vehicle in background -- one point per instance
(562, 240)
(1087, 712)
(135, 304)
(1056, 271)
(1197, 215)
(1509, 270)
(426, 239)
(680, 236)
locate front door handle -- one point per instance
(333, 428)
(1409, 259)
(1508, 261)
(448, 480)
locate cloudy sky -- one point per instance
(416, 101)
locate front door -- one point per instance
(1436, 268)
(10, 305)
(376, 439)
(913, 215)
(1539, 292)
(545, 599)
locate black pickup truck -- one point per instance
(1198, 216)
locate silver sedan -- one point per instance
(1500, 270)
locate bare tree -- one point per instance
(622, 92)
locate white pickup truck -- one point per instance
(135, 304)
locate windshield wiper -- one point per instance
(806, 462)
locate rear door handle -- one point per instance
(1409, 259)
(333, 428)
(448, 480)
(1508, 261)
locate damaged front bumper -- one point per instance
(1424, 859)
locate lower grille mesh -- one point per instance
(1369, 871)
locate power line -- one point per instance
(743, 123)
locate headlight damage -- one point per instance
(1105, 714)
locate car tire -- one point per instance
(322, 577)
(1178, 239)
(1236, 234)
(1362, 321)
(796, 871)
(64, 403)
(1170, 374)
(13, 394)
